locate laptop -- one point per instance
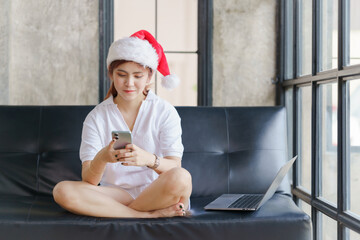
(249, 202)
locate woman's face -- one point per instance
(130, 80)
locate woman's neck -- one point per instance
(129, 106)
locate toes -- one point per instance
(180, 213)
(180, 206)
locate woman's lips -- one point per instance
(129, 91)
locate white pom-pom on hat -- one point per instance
(170, 81)
(142, 48)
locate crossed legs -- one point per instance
(167, 196)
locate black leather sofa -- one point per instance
(227, 150)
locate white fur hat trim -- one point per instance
(133, 49)
(170, 81)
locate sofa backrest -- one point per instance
(234, 149)
(227, 150)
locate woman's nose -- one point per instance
(129, 81)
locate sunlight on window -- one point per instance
(354, 32)
(306, 37)
(328, 135)
(304, 133)
(328, 227)
(329, 34)
(174, 24)
(354, 131)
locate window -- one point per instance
(183, 28)
(354, 38)
(320, 76)
(304, 33)
(174, 25)
(328, 34)
(327, 135)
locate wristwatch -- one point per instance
(157, 162)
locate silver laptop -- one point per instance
(249, 202)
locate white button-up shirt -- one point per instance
(157, 130)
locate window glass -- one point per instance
(289, 40)
(354, 32)
(185, 67)
(329, 34)
(305, 37)
(174, 24)
(305, 207)
(353, 89)
(328, 229)
(177, 24)
(353, 235)
(304, 136)
(328, 141)
(126, 22)
(289, 119)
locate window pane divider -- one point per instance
(190, 52)
(346, 72)
(303, 195)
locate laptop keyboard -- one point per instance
(247, 201)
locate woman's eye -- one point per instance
(121, 75)
(138, 76)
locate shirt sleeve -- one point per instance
(90, 140)
(170, 135)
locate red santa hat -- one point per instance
(142, 48)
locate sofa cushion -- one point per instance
(278, 219)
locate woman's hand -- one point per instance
(109, 154)
(133, 155)
(147, 88)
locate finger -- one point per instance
(122, 151)
(128, 163)
(130, 147)
(129, 154)
(111, 144)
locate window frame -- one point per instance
(343, 73)
(204, 51)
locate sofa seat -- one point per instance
(279, 218)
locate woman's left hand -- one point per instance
(135, 156)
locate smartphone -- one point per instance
(122, 139)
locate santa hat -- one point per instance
(142, 48)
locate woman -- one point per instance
(144, 180)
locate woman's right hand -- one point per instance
(108, 153)
(92, 171)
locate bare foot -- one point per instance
(172, 211)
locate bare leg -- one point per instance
(86, 199)
(170, 188)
